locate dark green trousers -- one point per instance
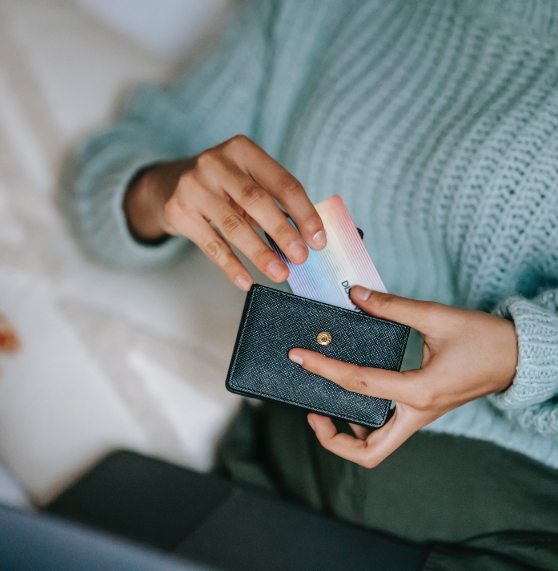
(479, 505)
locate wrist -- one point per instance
(145, 199)
(509, 355)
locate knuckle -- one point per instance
(238, 141)
(382, 301)
(260, 256)
(187, 179)
(283, 229)
(252, 194)
(174, 209)
(213, 249)
(230, 265)
(290, 187)
(232, 224)
(206, 159)
(313, 220)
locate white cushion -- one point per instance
(108, 359)
(168, 27)
(11, 493)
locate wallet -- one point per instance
(274, 322)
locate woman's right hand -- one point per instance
(216, 198)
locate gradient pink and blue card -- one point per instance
(329, 274)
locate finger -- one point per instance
(283, 186)
(378, 383)
(238, 232)
(377, 446)
(421, 315)
(360, 431)
(218, 251)
(261, 207)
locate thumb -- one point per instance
(414, 313)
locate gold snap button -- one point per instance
(323, 338)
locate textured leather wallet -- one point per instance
(274, 322)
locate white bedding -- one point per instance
(109, 359)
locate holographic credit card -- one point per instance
(329, 274)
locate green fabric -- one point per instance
(506, 551)
(480, 505)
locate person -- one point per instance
(437, 122)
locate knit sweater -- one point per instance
(437, 122)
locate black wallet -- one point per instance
(273, 322)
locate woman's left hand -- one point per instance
(467, 354)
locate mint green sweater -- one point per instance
(436, 121)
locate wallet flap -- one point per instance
(274, 322)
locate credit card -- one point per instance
(329, 274)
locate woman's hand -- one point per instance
(467, 355)
(216, 197)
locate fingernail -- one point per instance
(297, 250)
(295, 358)
(319, 240)
(311, 423)
(243, 283)
(275, 269)
(360, 293)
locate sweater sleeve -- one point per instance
(218, 100)
(532, 399)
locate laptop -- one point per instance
(36, 542)
(213, 522)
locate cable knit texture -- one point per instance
(438, 124)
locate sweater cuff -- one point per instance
(540, 418)
(102, 221)
(536, 378)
